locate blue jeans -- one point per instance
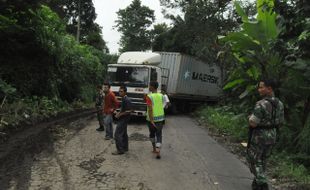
(156, 133)
(108, 123)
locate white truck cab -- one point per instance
(135, 70)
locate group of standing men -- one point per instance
(107, 103)
(264, 123)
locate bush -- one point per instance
(284, 167)
(226, 121)
(30, 111)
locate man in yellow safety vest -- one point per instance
(155, 116)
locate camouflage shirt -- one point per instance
(262, 117)
(99, 100)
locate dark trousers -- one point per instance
(100, 117)
(156, 133)
(121, 136)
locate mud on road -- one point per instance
(69, 156)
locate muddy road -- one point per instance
(76, 157)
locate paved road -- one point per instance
(80, 158)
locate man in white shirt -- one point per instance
(166, 102)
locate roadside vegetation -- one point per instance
(270, 45)
(231, 122)
(283, 166)
(46, 68)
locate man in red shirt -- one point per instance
(110, 104)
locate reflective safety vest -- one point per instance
(158, 109)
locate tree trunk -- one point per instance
(79, 23)
(306, 112)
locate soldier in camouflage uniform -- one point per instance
(99, 107)
(264, 123)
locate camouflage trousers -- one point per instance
(100, 117)
(257, 155)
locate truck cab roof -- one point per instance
(139, 58)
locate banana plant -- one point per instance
(252, 47)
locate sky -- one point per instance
(106, 16)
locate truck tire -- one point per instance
(173, 109)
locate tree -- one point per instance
(86, 10)
(294, 45)
(196, 32)
(252, 46)
(158, 36)
(133, 22)
(157, 30)
(34, 42)
(71, 11)
(94, 39)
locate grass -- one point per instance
(284, 168)
(225, 122)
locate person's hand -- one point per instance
(252, 124)
(153, 124)
(118, 115)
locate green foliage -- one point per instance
(94, 39)
(234, 83)
(158, 30)
(264, 49)
(134, 22)
(80, 68)
(232, 121)
(303, 138)
(70, 10)
(6, 89)
(284, 167)
(294, 45)
(195, 31)
(107, 58)
(42, 67)
(6, 22)
(252, 47)
(61, 67)
(48, 28)
(226, 121)
(30, 110)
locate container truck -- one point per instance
(186, 80)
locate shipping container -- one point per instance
(187, 77)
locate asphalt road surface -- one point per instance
(79, 158)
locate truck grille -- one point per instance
(136, 99)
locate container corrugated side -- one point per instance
(171, 61)
(191, 77)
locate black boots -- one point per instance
(255, 186)
(101, 128)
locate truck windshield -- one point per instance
(130, 76)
